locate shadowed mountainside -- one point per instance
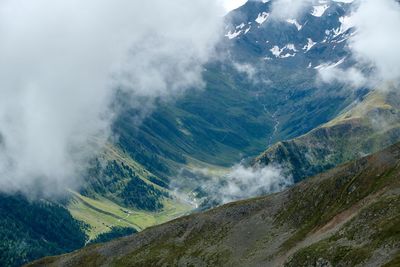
(30, 230)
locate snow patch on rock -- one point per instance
(278, 52)
(232, 35)
(262, 17)
(329, 66)
(295, 23)
(318, 11)
(309, 45)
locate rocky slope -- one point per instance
(315, 35)
(348, 216)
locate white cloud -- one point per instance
(61, 63)
(242, 182)
(232, 4)
(251, 72)
(289, 9)
(378, 37)
(245, 182)
(247, 69)
(374, 45)
(350, 76)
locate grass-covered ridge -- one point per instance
(119, 192)
(348, 216)
(102, 215)
(364, 128)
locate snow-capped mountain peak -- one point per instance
(318, 33)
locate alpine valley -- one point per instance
(157, 195)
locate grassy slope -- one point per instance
(231, 118)
(348, 216)
(177, 135)
(365, 128)
(235, 122)
(102, 214)
(217, 125)
(104, 210)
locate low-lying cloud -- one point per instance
(62, 62)
(240, 182)
(245, 182)
(352, 76)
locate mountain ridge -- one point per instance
(319, 221)
(366, 127)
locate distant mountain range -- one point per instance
(317, 35)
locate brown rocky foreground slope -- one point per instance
(349, 216)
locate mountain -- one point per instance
(252, 98)
(248, 89)
(348, 216)
(364, 128)
(317, 35)
(262, 88)
(236, 115)
(120, 192)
